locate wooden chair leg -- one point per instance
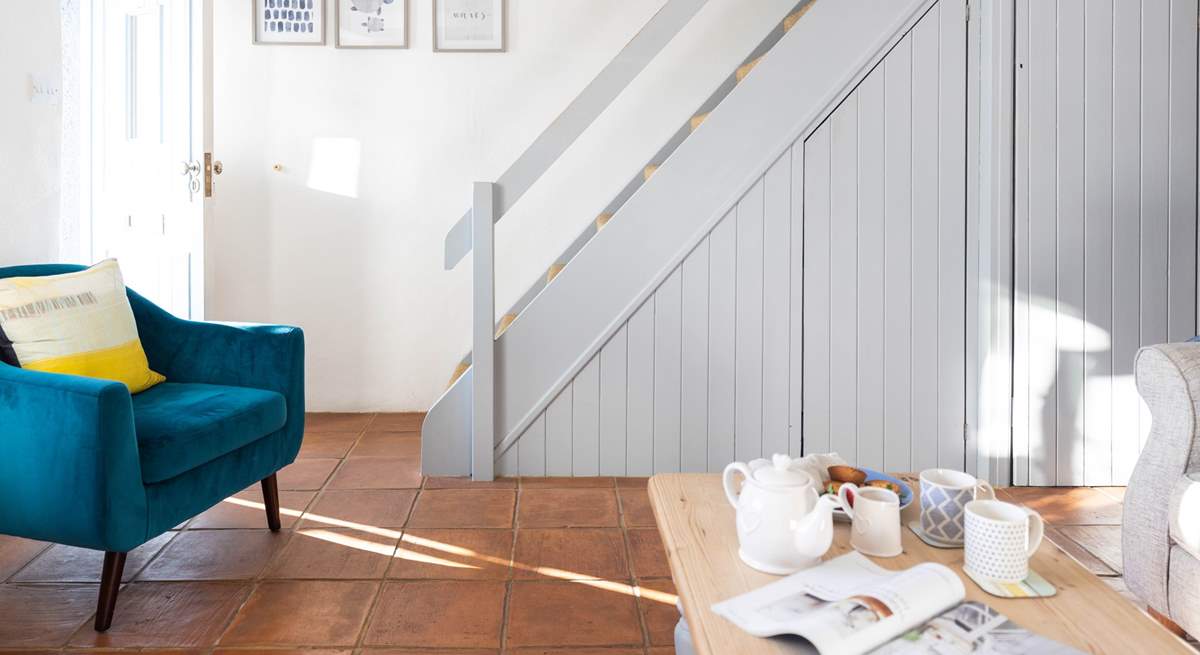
(1167, 623)
(270, 491)
(110, 584)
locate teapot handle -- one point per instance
(731, 492)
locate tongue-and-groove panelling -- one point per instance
(702, 373)
(736, 351)
(1105, 243)
(885, 259)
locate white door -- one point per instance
(151, 124)
(1105, 208)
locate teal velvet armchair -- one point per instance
(84, 463)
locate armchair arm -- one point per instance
(1168, 378)
(69, 467)
(267, 357)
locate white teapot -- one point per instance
(783, 523)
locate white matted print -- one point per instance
(289, 22)
(371, 24)
(469, 25)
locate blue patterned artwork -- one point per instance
(289, 21)
(372, 23)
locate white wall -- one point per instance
(29, 134)
(385, 325)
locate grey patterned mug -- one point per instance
(944, 495)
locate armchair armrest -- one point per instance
(1168, 378)
(267, 357)
(69, 467)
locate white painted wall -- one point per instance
(362, 275)
(29, 135)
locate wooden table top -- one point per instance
(697, 527)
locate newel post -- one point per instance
(483, 342)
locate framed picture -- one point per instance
(289, 22)
(469, 25)
(371, 24)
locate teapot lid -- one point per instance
(780, 471)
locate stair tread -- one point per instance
(790, 21)
(745, 68)
(603, 220)
(698, 119)
(649, 170)
(553, 272)
(505, 321)
(458, 373)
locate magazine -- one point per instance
(851, 605)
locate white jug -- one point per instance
(783, 523)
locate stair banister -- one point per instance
(583, 110)
(483, 330)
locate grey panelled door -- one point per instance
(1105, 225)
(885, 259)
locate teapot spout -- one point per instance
(813, 534)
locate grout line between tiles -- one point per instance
(370, 616)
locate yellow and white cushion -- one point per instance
(76, 323)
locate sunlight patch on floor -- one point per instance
(449, 549)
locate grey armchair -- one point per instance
(1160, 531)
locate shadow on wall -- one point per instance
(1072, 391)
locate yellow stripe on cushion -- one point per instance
(124, 363)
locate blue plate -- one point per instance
(906, 494)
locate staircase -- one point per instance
(557, 329)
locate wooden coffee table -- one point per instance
(697, 528)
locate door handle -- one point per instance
(190, 168)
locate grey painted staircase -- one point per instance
(634, 184)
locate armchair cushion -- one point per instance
(79, 323)
(181, 426)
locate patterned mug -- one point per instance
(1001, 537)
(944, 494)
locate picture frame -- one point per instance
(288, 22)
(470, 25)
(371, 24)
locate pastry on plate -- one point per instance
(843, 473)
(885, 484)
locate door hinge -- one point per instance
(966, 431)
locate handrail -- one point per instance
(583, 110)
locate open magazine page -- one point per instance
(875, 613)
(972, 628)
(847, 604)
(775, 608)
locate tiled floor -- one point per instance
(372, 557)
(375, 558)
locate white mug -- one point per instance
(875, 529)
(944, 494)
(1001, 537)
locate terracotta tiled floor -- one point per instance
(375, 558)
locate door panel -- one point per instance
(1105, 225)
(885, 259)
(149, 104)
